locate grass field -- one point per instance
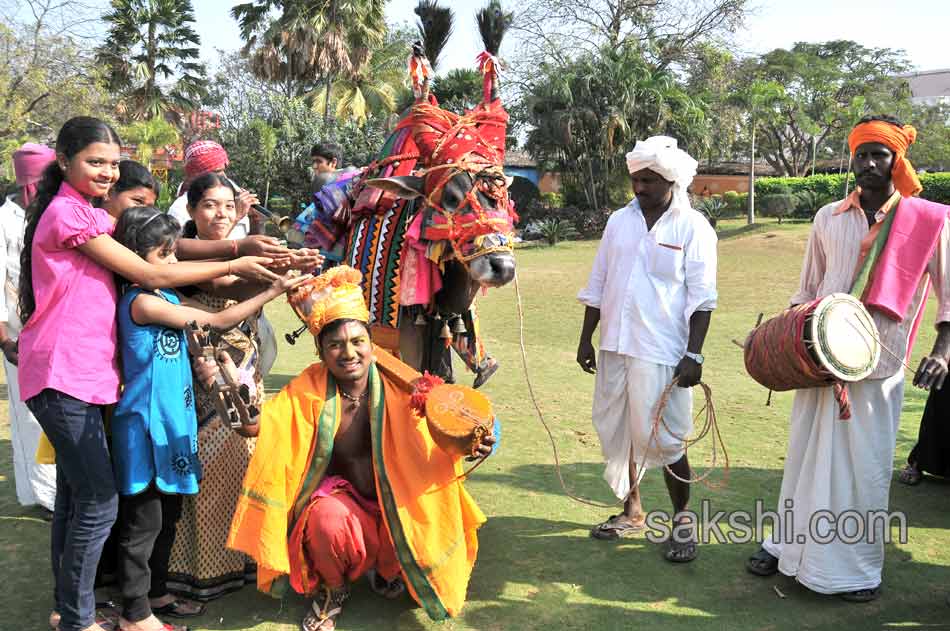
(537, 567)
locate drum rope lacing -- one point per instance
(710, 425)
(877, 339)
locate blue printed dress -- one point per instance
(154, 430)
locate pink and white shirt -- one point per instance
(69, 343)
(831, 263)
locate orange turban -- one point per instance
(333, 295)
(897, 139)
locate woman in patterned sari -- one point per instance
(202, 567)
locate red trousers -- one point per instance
(343, 540)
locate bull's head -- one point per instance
(470, 208)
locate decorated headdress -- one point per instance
(473, 142)
(897, 138)
(333, 295)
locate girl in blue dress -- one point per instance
(154, 429)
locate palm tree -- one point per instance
(323, 39)
(459, 89)
(151, 41)
(757, 97)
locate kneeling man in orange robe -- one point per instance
(346, 479)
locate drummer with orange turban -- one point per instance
(346, 480)
(887, 247)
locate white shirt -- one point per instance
(647, 284)
(179, 210)
(12, 224)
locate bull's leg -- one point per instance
(470, 349)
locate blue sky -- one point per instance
(921, 27)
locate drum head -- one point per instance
(458, 409)
(844, 337)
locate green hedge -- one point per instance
(828, 188)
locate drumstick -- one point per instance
(757, 323)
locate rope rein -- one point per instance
(710, 425)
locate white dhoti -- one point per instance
(840, 467)
(626, 392)
(35, 483)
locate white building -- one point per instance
(929, 87)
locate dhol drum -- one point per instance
(824, 342)
(458, 416)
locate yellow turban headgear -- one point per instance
(897, 138)
(333, 295)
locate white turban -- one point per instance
(661, 155)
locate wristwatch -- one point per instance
(696, 357)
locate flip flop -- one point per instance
(861, 595)
(323, 617)
(387, 589)
(910, 475)
(178, 609)
(614, 529)
(762, 563)
(681, 551)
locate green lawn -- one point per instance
(537, 567)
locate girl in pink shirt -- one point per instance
(68, 365)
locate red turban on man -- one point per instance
(203, 157)
(897, 138)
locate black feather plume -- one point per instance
(492, 24)
(435, 27)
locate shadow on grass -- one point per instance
(556, 576)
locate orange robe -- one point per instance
(431, 518)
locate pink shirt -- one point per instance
(69, 343)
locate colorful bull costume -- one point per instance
(428, 222)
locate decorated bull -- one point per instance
(429, 222)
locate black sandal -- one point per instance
(762, 563)
(861, 595)
(179, 608)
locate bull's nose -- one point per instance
(503, 269)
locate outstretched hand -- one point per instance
(289, 281)
(253, 268)
(303, 259)
(931, 373)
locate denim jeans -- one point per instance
(86, 501)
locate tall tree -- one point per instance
(583, 115)
(310, 42)
(149, 43)
(758, 99)
(825, 85)
(47, 74)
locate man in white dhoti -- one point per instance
(35, 483)
(652, 290)
(835, 466)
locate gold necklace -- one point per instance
(350, 397)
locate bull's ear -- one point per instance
(403, 186)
